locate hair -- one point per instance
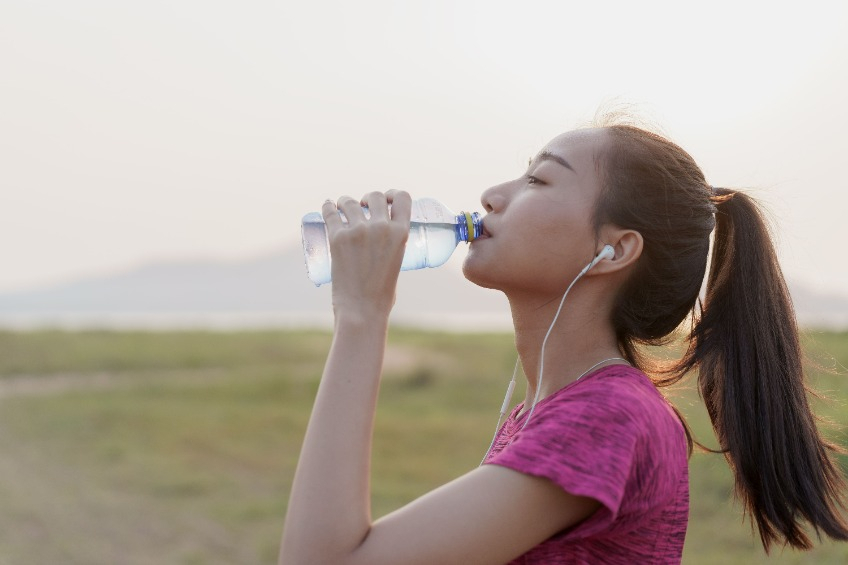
(743, 341)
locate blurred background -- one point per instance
(159, 339)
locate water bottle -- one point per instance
(434, 233)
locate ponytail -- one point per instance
(744, 342)
(746, 349)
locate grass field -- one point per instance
(179, 448)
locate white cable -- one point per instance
(545, 342)
(504, 408)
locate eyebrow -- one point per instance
(548, 156)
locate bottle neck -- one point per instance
(469, 226)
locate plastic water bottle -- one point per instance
(434, 233)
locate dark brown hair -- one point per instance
(744, 340)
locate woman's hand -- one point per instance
(367, 252)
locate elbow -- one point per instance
(315, 555)
(320, 551)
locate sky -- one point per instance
(137, 132)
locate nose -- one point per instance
(493, 199)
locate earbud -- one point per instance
(606, 253)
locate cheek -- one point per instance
(560, 240)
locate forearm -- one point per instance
(329, 509)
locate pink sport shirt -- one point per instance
(610, 436)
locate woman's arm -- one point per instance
(329, 508)
(487, 516)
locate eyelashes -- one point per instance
(530, 178)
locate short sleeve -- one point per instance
(591, 441)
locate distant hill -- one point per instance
(273, 291)
(817, 309)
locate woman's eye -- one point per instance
(533, 180)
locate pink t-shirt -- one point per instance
(610, 436)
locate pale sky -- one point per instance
(133, 132)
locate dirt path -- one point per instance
(29, 385)
(55, 513)
(58, 511)
(398, 359)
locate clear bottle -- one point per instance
(434, 233)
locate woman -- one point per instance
(592, 467)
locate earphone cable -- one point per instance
(504, 408)
(545, 342)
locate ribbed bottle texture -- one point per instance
(434, 233)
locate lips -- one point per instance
(483, 235)
(485, 232)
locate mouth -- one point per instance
(485, 233)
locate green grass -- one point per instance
(182, 449)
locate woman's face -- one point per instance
(539, 229)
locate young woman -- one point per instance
(592, 467)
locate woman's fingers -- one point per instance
(378, 207)
(401, 204)
(332, 219)
(352, 210)
(394, 206)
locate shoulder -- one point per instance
(616, 396)
(616, 382)
(604, 436)
(616, 415)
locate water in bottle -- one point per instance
(434, 233)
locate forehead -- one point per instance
(582, 149)
(578, 146)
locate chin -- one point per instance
(477, 276)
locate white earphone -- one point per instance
(606, 253)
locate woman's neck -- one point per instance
(581, 337)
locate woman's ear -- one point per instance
(628, 248)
